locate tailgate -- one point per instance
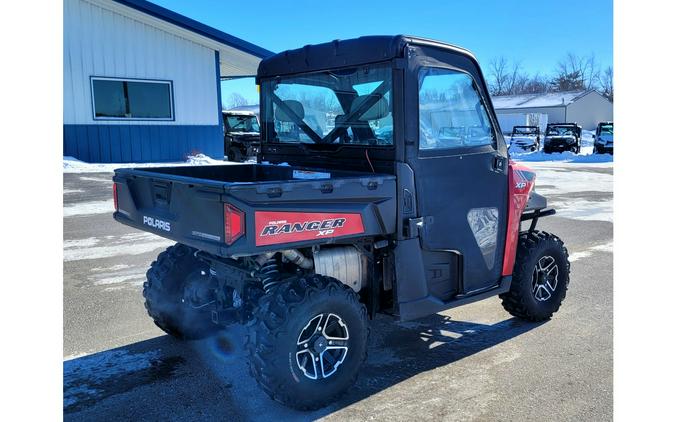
(167, 206)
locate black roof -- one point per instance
(341, 53)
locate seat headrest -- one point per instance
(378, 110)
(295, 106)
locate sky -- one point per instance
(536, 33)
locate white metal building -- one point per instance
(142, 83)
(586, 108)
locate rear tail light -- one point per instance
(234, 223)
(117, 208)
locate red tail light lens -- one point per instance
(117, 208)
(234, 223)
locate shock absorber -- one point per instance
(268, 270)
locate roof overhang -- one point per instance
(238, 58)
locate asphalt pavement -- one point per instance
(470, 363)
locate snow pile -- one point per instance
(566, 156)
(202, 160)
(73, 165)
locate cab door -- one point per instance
(460, 172)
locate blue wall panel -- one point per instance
(104, 136)
(82, 142)
(141, 143)
(69, 141)
(94, 141)
(115, 144)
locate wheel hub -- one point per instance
(322, 346)
(545, 278)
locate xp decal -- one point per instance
(521, 183)
(274, 227)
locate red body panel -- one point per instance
(521, 182)
(117, 208)
(274, 227)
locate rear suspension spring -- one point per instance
(269, 274)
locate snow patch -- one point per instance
(578, 255)
(89, 208)
(565, 181)
(136, 278)
(566, 156)
(605, 247)
(581, 209)
(108, 269)
(129, 244)
(73, 165)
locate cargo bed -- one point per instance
(267, 207)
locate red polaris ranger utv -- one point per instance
(398, 197)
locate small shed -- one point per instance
(586, 108)
(141, 83)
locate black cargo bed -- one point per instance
(190, 201)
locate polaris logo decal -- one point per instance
(284, 227)
(157, 223)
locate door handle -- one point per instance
(499, 164)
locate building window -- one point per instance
(130, 99)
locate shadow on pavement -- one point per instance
(210, 377)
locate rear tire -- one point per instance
(307, 341)
(165, 289)
(547, 150)
(540, 277)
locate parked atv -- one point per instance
(603, 141)
(562, 137)
(390, 210)
(242, 135)
(525, 138)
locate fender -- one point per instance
(521, 183)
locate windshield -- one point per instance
(560, 131)
(607, 130)
(242, 123)
(348, 106)
(524, 131)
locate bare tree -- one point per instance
(576, 72)
(536, 84)
(592, 76)
(607, 83)
(499, 75)
(236, 99)
(516, 79)
(572, 73)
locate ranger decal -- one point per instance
(284, 227)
